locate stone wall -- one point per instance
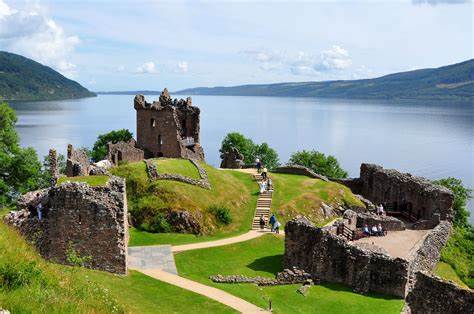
(53, 166)
(90, 222)
(168, 127)
(124, 151)
(300, 170)
(77, 163)
(331, 258)
(431, 294)
(232, 159)
(402, 192)
(388, 223)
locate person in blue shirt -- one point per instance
(272, 221)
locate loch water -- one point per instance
(424, 138)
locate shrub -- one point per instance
(99, 151)
(157, 224)
(14, 276)
(74, 258)
(222, 214)
(319, 163)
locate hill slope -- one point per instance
(24, 79)
(452, 82)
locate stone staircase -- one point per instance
(264, 204)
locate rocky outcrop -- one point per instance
(77, 163)
(78, 220)
(183, 222)
(431, 294)
(232, 159)
(300, 170)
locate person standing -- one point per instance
(277, 227)
(262, 222)
(264, 173)
(272, 221)
(258, 164)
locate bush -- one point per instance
(99, 151)
(267, 155)
(319, 163)
(222, 214)
(157, 224)
(14, 276)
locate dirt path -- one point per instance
(210, 292)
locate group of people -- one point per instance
(273, 221)
(376, 230)
(266, 185)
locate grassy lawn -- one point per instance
(91, 180)
(263, 257)
(177, 166)
(295, 194)
(446, 272)
(42, 287)
(232, 189)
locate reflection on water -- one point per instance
(430, 140)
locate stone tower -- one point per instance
(168, 127)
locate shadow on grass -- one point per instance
(340, 287)
(271, 264)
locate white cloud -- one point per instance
(435, 2)
(182, 66)
(120, 68)
(302, 63)
(147, 68)
(31, 33)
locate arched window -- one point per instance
(160, 140)
(152, 123)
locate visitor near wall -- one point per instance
(277, 227)
(272, 222)
(264, 173)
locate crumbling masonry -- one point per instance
(168, 127)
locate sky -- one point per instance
(148, 45)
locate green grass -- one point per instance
(177, 166)
(263, 257)
(445, 271)
(232, 189)
(91, 180)
(296, 194)
(54, 288)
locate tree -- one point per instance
(267, 155)
(319, 163)
(99, 151)
(461, 196)
(245, 146)
(20, 168)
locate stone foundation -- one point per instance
(153, 174)
(300, 170)
(77, 219)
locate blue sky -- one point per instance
(126, 45)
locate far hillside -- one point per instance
(24, 79)
(450, 83)
(233, 191)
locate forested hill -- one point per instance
(453, 82)
(24, 79)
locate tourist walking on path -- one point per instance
(258, 164)
(269, 184)
(264, 173)
(262, 222)
(272, 221)
(277, 227)
(263, 187)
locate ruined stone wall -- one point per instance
(90, 222)
(388, 223)
(232, 159)
(164, 125)
(77, 163)
(355, 184)
(431, 294)
(330, 258)
(300, 170)
(402, 191)
(124, 151)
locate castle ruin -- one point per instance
(168, 127)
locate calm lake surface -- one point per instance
(429, 139)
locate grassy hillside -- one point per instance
(263, 257)
(301, 195)
(453, 82)
(24, 79)
(28, 284)
(231, 189)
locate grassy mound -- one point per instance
(91, 180)
(28, 284)
(177, 166)
(147, 200)
(301, 195)
(263, 257)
